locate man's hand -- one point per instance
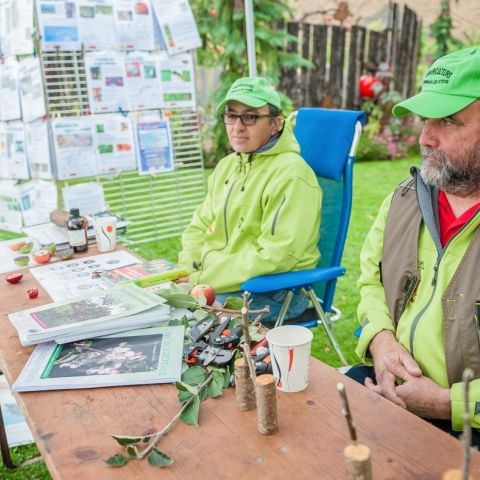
(390, 360)
(424, 397)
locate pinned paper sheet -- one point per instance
(88, 197)
(177, 24)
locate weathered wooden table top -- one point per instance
(73, 427)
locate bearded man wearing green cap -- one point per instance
(420, 264)
(262, 210)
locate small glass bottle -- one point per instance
(77, 231)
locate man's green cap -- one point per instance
(252, 91)
(451, 84)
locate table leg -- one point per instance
(5, 451)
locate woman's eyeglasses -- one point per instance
(247, 119)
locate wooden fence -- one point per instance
(339, 55)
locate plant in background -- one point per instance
(385, 136)
(441, 31)
(222, 29)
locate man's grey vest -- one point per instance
(400, 277)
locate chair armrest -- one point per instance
(301, 278)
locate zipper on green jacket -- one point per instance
(434, 283)
(277, 213)
(225, 225)
(422, 311)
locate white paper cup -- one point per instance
(106, 233)
(290, 351)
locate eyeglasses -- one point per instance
(247, 119)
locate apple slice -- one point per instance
(14, 278)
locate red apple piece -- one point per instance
(14, 277)
(204, 291)
(32, 292)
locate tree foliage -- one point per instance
(441, 31)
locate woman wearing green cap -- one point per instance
(262, 210)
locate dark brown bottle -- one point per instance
(77, 231)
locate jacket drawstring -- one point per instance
(248, 169)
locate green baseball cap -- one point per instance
(252, 91)
(451, 84)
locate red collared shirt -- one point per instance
(449, 223)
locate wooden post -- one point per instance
(266, 391)
(464, 473)
(357, 456)
(454, 475)
(244, 387)
(358, 462)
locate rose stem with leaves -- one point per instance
(244, 368)
(357, 456)
(464, 474)
(153, 439)
(246, 334)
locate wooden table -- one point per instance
(73, 428)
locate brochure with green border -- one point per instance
(138, 357)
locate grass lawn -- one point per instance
(373, 181)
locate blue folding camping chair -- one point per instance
(328, 140)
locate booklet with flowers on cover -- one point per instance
(138, 357)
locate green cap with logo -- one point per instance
(451, 84)
(252, 91)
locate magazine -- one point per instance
(85, 314)
(138, 357)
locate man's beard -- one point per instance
(462, 179)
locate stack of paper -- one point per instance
(121, 308)
(138, 357)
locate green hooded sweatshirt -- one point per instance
(261, 216)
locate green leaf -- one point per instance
(233, 303)
(203, 395)
(200, 314)
(159, 459)
(180, 300)
(215, 387)
(256, 333)
(132, 452)
(185, 387)
(201, 300)
(184, 396)
(191, 413)
(227, 377)
(117, 460)
(126, 439)
(194, 375)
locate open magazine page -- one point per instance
(59, 318)
(137, 357)
(79, 276)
